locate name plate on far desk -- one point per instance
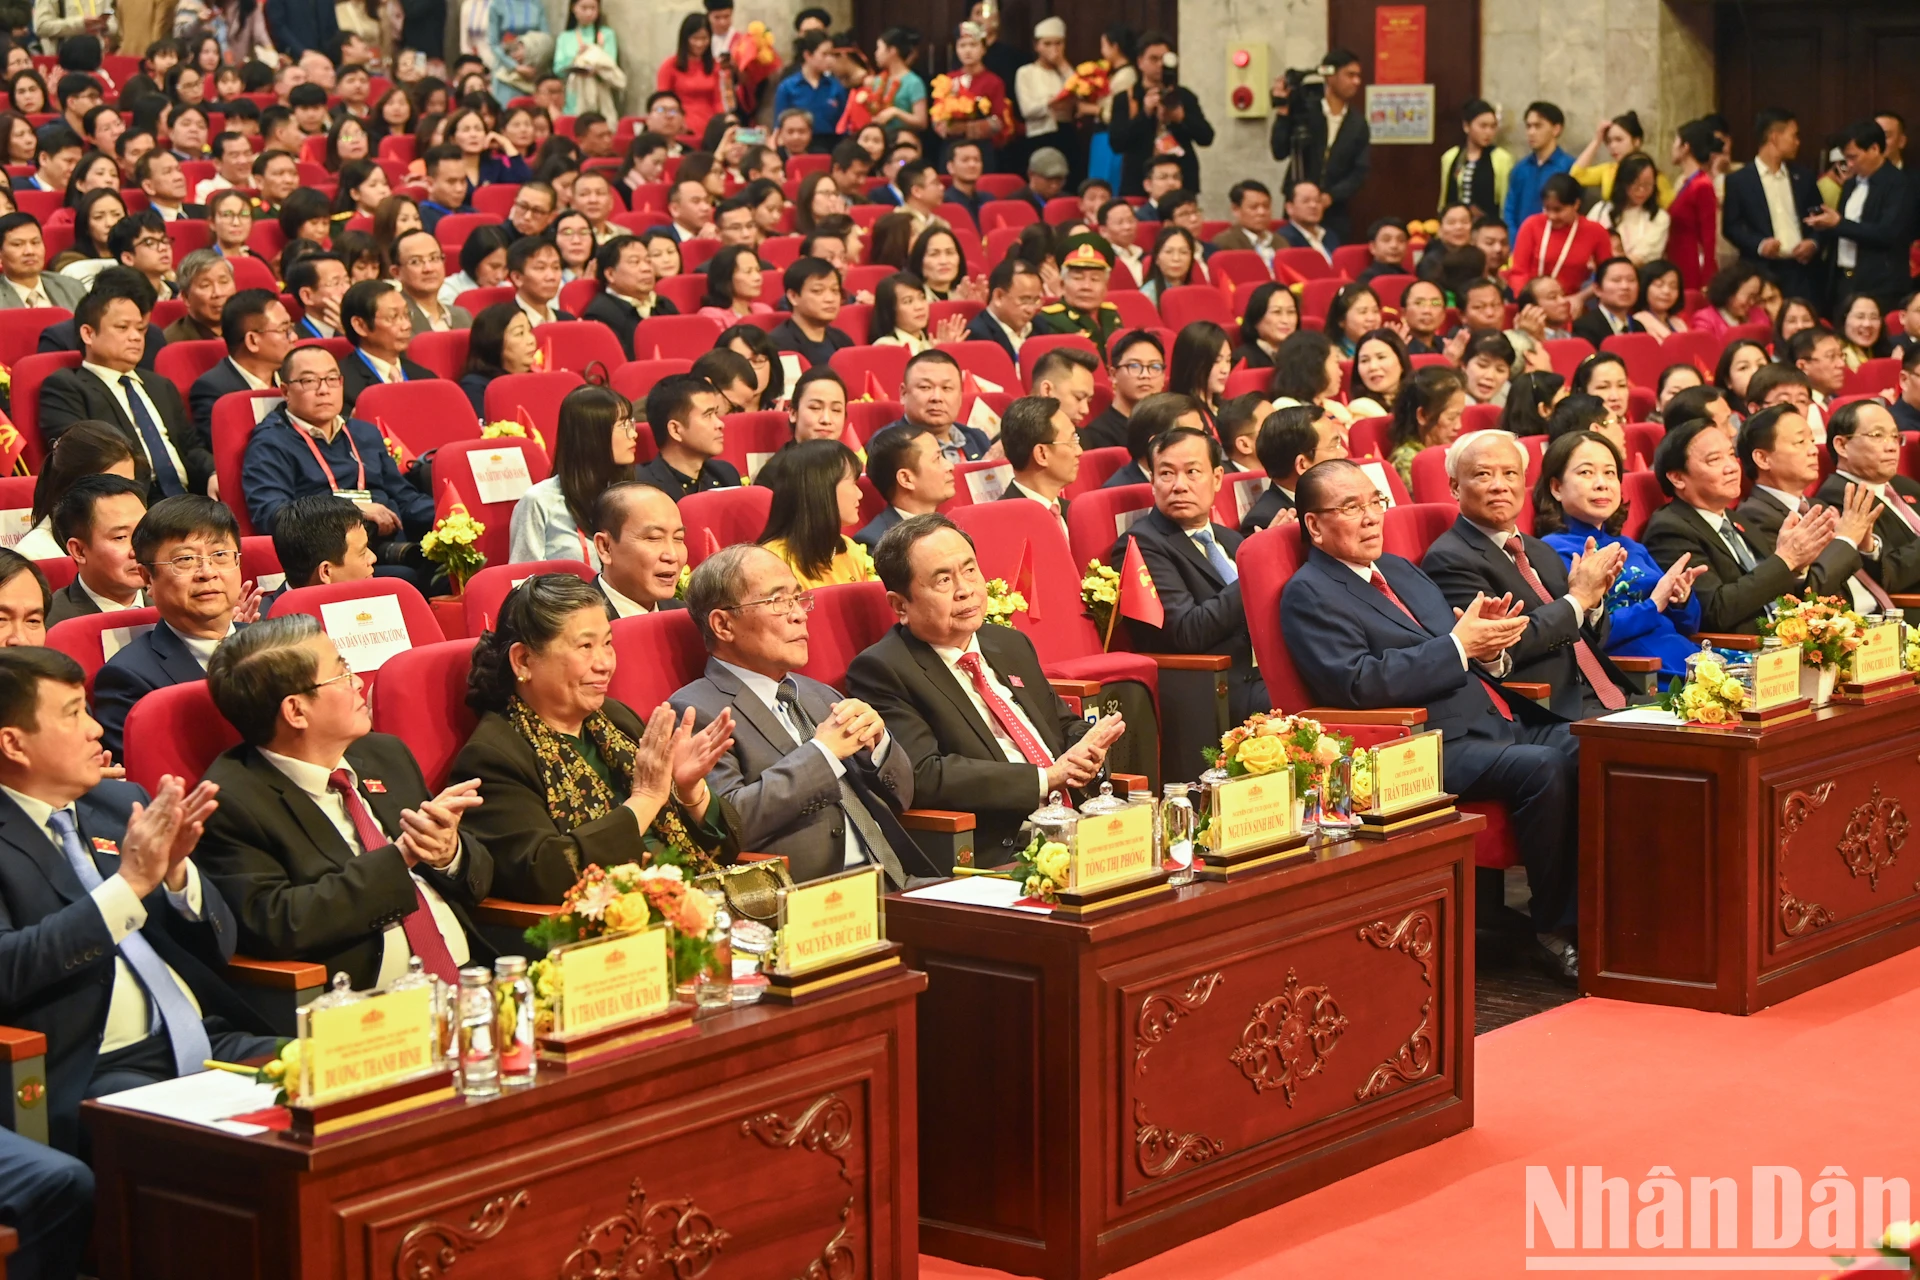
(1112, 848)
(616, 979)
(1408, 786)
(367, 1045)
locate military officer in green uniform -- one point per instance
(1083, 307)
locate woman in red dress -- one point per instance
(704, 87)
(1694, 215)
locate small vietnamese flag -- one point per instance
(873, 388)
(12, 446)
(402, 456)
(448, 502)
(1025, 581)
(1139, 599)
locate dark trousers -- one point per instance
(47, 1197)
(1538, 778)
(151, 1060)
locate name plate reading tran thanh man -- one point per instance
(367, 1045)
(621, 978)
(1407, 785)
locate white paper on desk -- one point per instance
(1642, 715)
(206, 1098)
(979, 891)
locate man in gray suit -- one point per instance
(23, 258)
(813, 776)
(419, 266)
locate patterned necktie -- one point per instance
(1742, 553)
(191, 1048)
(1009, 722)
(1216, 555)
(164, 473)
(1380, 584)
(422, 930)
(1609, 693)
(865, 829)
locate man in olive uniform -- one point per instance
(1083, 306)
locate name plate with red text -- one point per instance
(1776, 677)
(1406, 773)
(1112, 848)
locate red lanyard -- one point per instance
(326, 468)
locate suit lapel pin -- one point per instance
(102, 845)
(1016, 682)
(374, 786)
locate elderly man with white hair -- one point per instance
(1485, 554)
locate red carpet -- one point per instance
(1826, 1079)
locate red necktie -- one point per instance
(1381, 585)
(423, 932)
(1009, 722)
(1605, 689)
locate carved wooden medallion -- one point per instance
(1288, 1038)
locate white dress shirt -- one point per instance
(108, 604)
(533, 313)
(643, 305)
(1134, 259)
(1316, 238)
(1014, 336)
(119, 393)
(129, 1013)
(1051, 504)
(1889, 498)
(1008, 747)
(623, 605)
(34, 297)
(1777, 185)
(1035, 86)
(246, 375)
(768, 691)
(209, 186)
(1862, 599)
(202, 649)
(381, 369)
(1846, 254)
(394, 954)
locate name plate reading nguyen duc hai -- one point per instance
(621, 978)
(1112, 848)
(829, 921)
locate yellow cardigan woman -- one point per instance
(816, 495)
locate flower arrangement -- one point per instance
(1267, 743)
(953, 105)
(1823, 627)
(864, 558)
(614, 899)
(1911, 657)
(283, 1070)
(1100, 591)
(1712, 696)
(454, 544)
(680, 583)
(1090, 81)
(1003, 602)
(1041, 868)
(517, 430)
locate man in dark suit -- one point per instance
(1013, 299)
(813, 776)
(1700, 470)
(1871, 234)
(1290, 442)
(1866, 452)
(258, 335)
(1617, 288)
(968, 704)
(1783, 246)
(95, 520)
(642, 545)
(327, 840)
(109, 386)
(1300, 123)
(684, 412)
(1778, 455)
(1191, 560)
(112, 939)
(318, 281)
(375, 319)
(1305, 206)
(1044, 450)
(319, 539)
(47, 1196)
(629, 296)
(910, 473)
(1484, 554)
(1368, 630)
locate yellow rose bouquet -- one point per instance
(1003, 602)
(1911, 656)
(454, 544)
(1099, 591)
(1711, 695)
(1041, 869)
(505, 429)
(1267, 743)
(1823, 627)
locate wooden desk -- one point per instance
(1093, 1093)
(1728, 870)
(777, 1139)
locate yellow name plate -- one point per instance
(1255, 811)
(1111, 848)
(1776, 677)
(829, 920)
(617, 979)
(369, 1044)
(1878, 657)
(1406, 772)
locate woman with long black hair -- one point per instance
(593, 449)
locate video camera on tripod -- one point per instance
(1303, 87)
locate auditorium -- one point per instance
(1011, 638)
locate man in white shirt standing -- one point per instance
(1044, 450)
(1766, 202)
(23, 257)
(327, 840)
(642, 544)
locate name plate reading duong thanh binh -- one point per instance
(1776, 677)
(1254, 811)
(621, 978)
(1112, 848)
(366, 1045)
(829, 920)
(1406, 773)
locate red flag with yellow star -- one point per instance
(1139, 599)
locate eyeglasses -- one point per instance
(151, 242)
(1135, 369)
(1354, 508)
(423, 260)
(802, 603)
(1878, 437)
(318, 685)
(233, 215)
(182, 565)
(315, 381)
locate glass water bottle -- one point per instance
(713, 985)
(479, 1035)
(1177, 826)
(513, 1005)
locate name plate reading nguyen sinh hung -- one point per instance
(1407, 785)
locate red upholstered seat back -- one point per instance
(444, 353)
(426, 413)
(845, 620)
(1096, 467)
(1641, 492)
(454, 463)
(415, 613)
(175, 730)
(1411, 529)
(1092, 527)
(489, 587)
(575, 344)
(1266, 561)
(233, 423)
(423, 702)
(656, 653)
(81, 638)
(721, 517)
(1023, 543)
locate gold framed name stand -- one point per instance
(1408, 793)
(1253, 825)
(830, 934)
(616, 997)
(1878, 669)
(1113, 863)
(1775, 697)
(369, 1059)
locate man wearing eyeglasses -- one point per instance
(306, 447)
(190, 549)
(1138, 369)
(1368, 630)
(1866, 452)
(813, 776)
(258, 333)
(533, 208)
(420, 268)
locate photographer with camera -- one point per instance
(1158, 118)
(1320, 129)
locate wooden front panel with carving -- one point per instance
(776, 1143)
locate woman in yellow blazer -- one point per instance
(1621, 137)
(816, 495)
(1483, 187)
